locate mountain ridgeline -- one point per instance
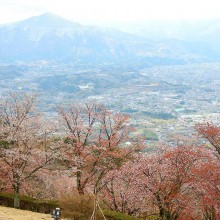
(53, 38)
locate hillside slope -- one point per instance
(17, 214)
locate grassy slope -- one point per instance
(16, 214)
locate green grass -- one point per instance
(111, 215)
(28, 203)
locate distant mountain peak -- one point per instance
(51, 37)
(48, 15)
(50, 20)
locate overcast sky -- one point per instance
(107, 11)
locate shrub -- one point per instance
(28, 203)
(78, 207)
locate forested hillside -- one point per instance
(90, 162)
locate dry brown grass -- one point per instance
(78, 207)
(17, 214)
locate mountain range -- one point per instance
(52, 38)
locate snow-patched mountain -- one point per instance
(50, 37)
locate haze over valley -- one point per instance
(167, 77)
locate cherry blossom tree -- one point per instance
(209, 173)
(97, 141)
(210, 132)
(123, 189)
(25, 148)
(169, 180)
(207, 186)
(169, 185)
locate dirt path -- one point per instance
(16, 214)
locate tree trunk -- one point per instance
(98, 179)
(16, 196)
(160, 206)
(78, 182)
